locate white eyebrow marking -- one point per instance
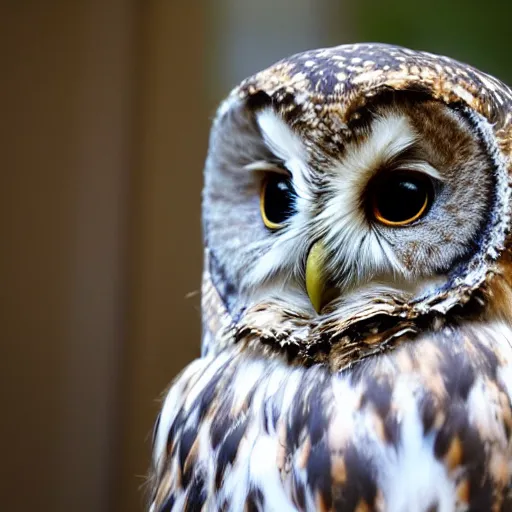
(287, 146)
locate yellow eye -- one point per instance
(400, 198)
(277, 200)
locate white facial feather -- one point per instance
(359, 252)
(358, 249)
(288, 146)
(284, 257)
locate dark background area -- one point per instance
(106, 107)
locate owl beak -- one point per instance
(315, 275)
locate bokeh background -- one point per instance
(105, 111)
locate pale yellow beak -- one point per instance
(315, 275)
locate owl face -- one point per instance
(325, 186)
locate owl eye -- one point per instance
(400, 198)
(277, 200)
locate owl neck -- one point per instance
(339, 343)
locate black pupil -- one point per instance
(400, 198)
(279, 199)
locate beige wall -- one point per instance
(165, 263)
(103, 137)
(66, 114)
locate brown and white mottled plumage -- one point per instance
(396, 394)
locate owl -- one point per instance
(356, 294)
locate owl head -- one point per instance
(354, 196)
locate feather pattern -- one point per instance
(397, 395)
(428, 428)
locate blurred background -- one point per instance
(105, 112)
